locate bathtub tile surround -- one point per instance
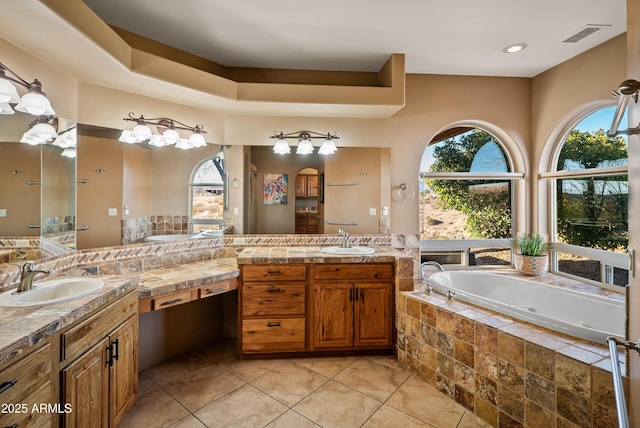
(170, 224)
(508, 372)
(136, 229)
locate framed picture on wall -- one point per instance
(321, 188)
(275, 189)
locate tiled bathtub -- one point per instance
(509, 373)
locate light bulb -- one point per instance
(281, 147)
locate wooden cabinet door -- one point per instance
(301, 186)
(373, 314)
(332, 315)
(85, 384)
(312, 186)
(124, 369)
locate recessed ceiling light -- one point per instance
(517, 47)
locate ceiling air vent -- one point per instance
(584, 32)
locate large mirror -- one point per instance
(126, 193)
(37, 196)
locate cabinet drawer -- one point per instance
(88, 332)
(273, 335)
(43, 395)
(173, 299)
(313, 220)
(274, 272)
(21, 378)
(353, 271)
(217, 287)
(273, 299)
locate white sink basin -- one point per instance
(51, 292)
(351, 251)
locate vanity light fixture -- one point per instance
(305, 146)
(41, 131)
(167, 133)
(34, 102)
(516, 47)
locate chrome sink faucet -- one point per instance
(345, 238)
(27, 273)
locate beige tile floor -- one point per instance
(212, 388)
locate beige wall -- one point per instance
(21, 200)
(352, 203)
(103, 191)
(137, 181)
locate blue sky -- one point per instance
(593, 122)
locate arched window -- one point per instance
(589, 195)
(467, 193)
(207, 196)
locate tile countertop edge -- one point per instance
(25, 327)
(284, 255)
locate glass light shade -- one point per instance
(197, 140)
(141, 132)
(31, 139)
(281, 147)
(69, 152)
(183, 144)
(5, 108)
(68, 139)
(8, 92)
(128, 137)
(170, 136)
(157, 140)
(35, 104)
(44, 131)
(304, 148)
(328, 147)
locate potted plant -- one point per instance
(529, 256)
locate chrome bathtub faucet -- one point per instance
(430, 263)
(27, 274)
(450, 294)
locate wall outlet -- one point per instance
(385, 210)
(372, 211)
(3, 212)
(112, 212)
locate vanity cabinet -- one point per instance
(272, 306)
(306, 186)
(99, 360)
(306, 222)
(316, 308)
(27, 382)
(352, 306)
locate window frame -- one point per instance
(464, 246)
(608, 259)
(217, 186)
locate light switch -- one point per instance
(385, 210)
(3, 212)
(236, 211)
(112, 212)
(372, 211)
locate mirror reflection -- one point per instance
(127, 193)
(37, 198)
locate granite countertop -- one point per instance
(282, 255)
(24, 327)
(156, 282)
